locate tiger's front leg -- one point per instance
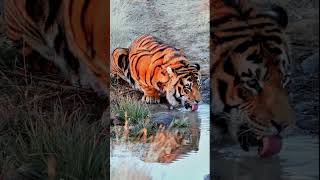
(150, 95)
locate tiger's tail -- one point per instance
(120, 64)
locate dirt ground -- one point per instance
(180, 23)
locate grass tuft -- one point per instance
(49, 131)
(137, 111)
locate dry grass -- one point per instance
(49, 130)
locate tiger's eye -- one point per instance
(254, 84)
(244, 93)
(187, 90)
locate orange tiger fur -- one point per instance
(74, 34)
(156, 69)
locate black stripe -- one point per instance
(146, 38)
(266, 74)
(255, 57)
(71, 60)
(91, 43)
(216, 22)
(88, 36)
(129, 76)
(274, 30)
(230, 38)
(35, 9)
(245, 46)
(59, 39)
(249, 74)
(236, 29)
(70, 15)
(228, 67)
(136, 68)
(276, 51)
(222, 88)
(261, 25)
(54, 6)
(273, 38)
(176, 98)
(13, 28)
(32, 6)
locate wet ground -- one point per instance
(192, 161)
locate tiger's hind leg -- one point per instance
(150, 95)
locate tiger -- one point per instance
(72, 34)
(250, 74)
(158, 69)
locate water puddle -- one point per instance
(192, 161)
(298, 160)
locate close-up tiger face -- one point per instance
(184, 89)
(157, 69)
(250, 73)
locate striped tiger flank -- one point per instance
(86, 24)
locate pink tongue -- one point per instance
(194, 107)
(271, 146)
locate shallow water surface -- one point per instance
(192, 164)
(298, 160)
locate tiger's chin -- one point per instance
(187, 106)
(176, 102)
(229, 129)
(191, 107)
(267, 146)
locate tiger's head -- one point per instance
(250, 75)
(183, 87)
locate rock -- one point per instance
(162, 118)
(311, 64)
(205, 90)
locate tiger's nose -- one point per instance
(279, 126)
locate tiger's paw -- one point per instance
(150, 100)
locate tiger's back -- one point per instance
(149, 59)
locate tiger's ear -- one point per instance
(232, 2)
(197, 66)
(170, 71)
(235, 3)
(279, 15)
